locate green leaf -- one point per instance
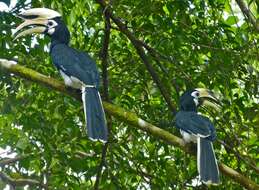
(232, 20)
(22, 143)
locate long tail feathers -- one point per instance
(94, 114)
(206, 162)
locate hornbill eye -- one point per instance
(50, 23)
(195, 94)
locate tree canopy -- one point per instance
(148, 53)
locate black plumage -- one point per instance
(79, 70)
(199, 129)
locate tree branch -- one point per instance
(104, 57)
(247, 13)
(122, 115)
(240, 156)
(81, 154)
(158, 56)
(138, 46)
(19, 182)
(12, 160)
(101, 165)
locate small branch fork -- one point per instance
(141, 52)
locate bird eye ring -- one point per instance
(195, 94)
(50, 23)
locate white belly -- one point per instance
(188, 137)
(71, 81)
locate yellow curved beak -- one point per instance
(38, 26)
(209, 98)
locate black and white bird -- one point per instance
(199, 129)
(77, 68)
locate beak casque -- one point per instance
(209, 99)
(40, 13)
(37, 17)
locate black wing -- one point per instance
(75, 63)
(195, 124)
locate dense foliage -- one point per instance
(197, 43)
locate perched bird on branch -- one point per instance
(77, 68)
(199, 129)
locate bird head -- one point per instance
(194, 98)
(42, 20)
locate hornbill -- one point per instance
(199, 129)
(77, 68)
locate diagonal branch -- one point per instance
(122, 115)
(240, 156)
(138, 46)
(248, 14)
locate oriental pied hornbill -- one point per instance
(199, 129)
(77, 68)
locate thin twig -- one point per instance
(157, 56)
(101, 165)
(81, 154)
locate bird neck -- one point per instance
(61, 35)
(188, 108)
(188, 104)
(60, 39)
(56, 42)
